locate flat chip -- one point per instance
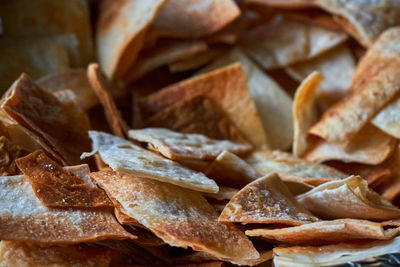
(194, 18)
(121, 26)
(47, 120)
(327, 232)
(267, 200)
(281, 42)
(273, 104)
(178, 216)
(332, 254)
(348, 198)
(266, 162)
(305, 112)
(24, 218)
(103, 89)
(196, 115)
(227, 88)
(365, 20)
(337, 66)
(375, 83)
(9, 152)
(224, 193)
(175, 145)
(123, 156)
(75, 80)
(388, 119)
(32, 255)
(59, 188)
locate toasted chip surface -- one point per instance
(178, 216)
(266, 200)
(9, 152)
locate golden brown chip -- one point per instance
(388, 118)
(121, 26)
(224, 193)
(46, 119)
(59, 188)
(31, 255)
(178, 216)
(227, 88)
(175, 145)
(266, 200)
(325, 232)
(348, 198)
(9, 152)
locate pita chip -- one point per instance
(305, 112)
(375, 83)
(325, 232)
(337, 66)
(224, 193)
(9, 152)
(32, 255)
(388, 119)
(123, 156)
(282, 42)
(364, 20)
(267, 200)
(24, 218)
(47, 120)
(227, 88)
(348, 198)
(175, 145)
(180, 217)
(103, 88)
(332, 254)
(196, 115)
(120, 30)
(194, 18)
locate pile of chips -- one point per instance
(199, 132)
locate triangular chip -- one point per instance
(267, 200)
(123, 156)
(175, 145)
(227, 88)
(120, 30)
(178, 216)
(49, 121)
(58, 188)
(348, 198)
(388, 119)
(325, 232)
(365, 20)
(24, 218)
(305, 112)
(9, 152)
(375, 83)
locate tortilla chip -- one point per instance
(230, 170)
(282, 42)
(374, 85)
(175, 145)
(305, 112)
(25, 18)
(388, 119)
(166, 52)
(28, 254)
(292, 168)
(337, 66)
(332, 254)
(121, 26)
(364, 20)
(370, 146)
(266, 200)
(24, 218)
(75, 80)
(103, 88)
(195, 62)
(123, 156)
(196, 115)
(9, 152)
(326, 232)
(59, 188)
(224, 193)
(227, 88)
(178, 216)
(194, 18)
(36, 58)
(348, 198)
(46, 119)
